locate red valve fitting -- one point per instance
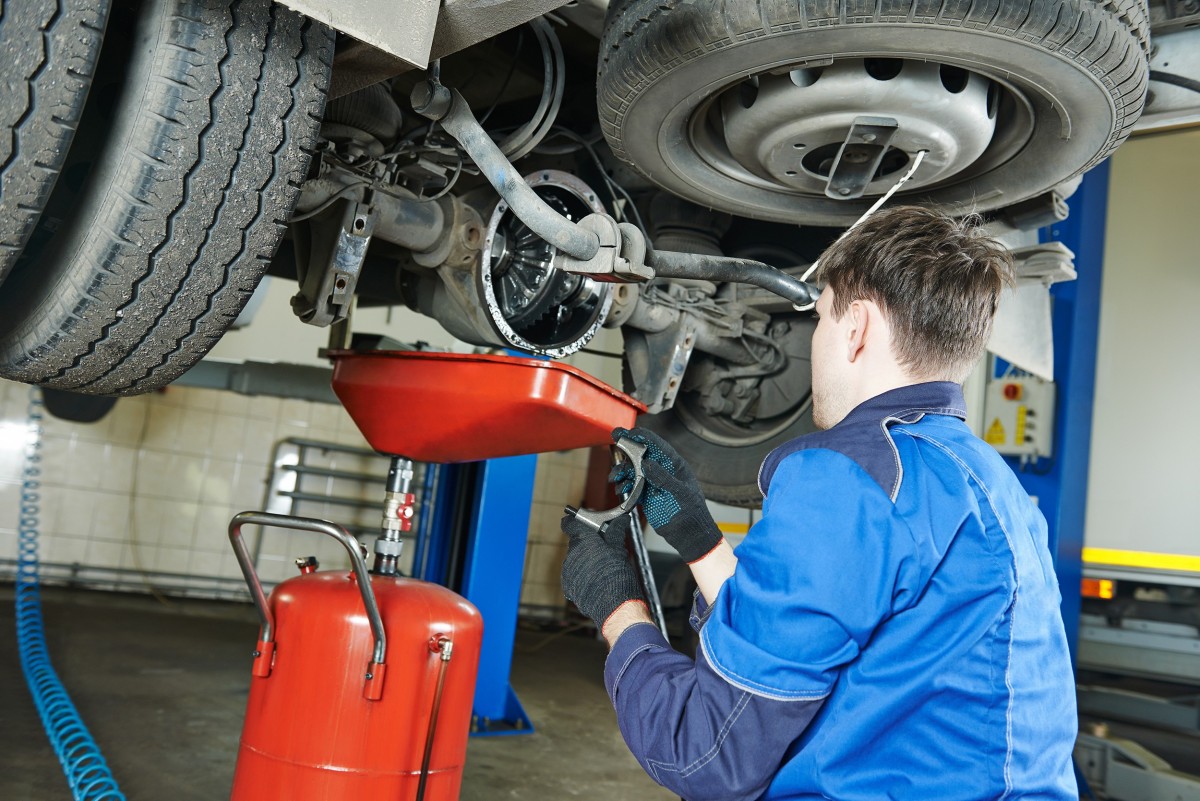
(406, 510)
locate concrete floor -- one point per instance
(163, 689)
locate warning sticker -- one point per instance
(995, 434)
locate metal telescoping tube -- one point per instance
(668, 264)
(530, 209)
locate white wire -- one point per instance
(874, 208)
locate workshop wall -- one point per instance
(152, 487)
(1142, 478)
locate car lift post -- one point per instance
(487, 570)
(1061, 489)
(491, 579)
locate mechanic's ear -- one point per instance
(859, 316)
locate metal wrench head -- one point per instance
(633, 452)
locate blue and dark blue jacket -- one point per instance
(892, 630)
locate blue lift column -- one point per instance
(493, 562)
(1061, 486)
(492, 572)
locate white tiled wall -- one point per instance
(153, 485)
(559, 480)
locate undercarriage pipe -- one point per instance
(447, 106)
(669, 264)
(450, 109)
(410, 222)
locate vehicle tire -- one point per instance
(728, 473)
(1135, 14)
(725, 455)
(744, 104)
(203, 128)
(49, 54)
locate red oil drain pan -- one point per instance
(449, 407)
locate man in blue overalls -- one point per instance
(890, 628)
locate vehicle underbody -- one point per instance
(683, 133)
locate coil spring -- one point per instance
(87, 773)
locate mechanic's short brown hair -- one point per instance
(936, 278)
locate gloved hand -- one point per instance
(596, 575)
(672, 499)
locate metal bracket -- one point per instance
(330, 273)
(658, 361)
(860, 156)
(1173, 15)
(621, 257)
(1125, 771)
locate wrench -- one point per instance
(633, 452)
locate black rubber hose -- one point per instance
(1175, 80)
(669, 264)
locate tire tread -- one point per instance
(50, 52)
(209, 174)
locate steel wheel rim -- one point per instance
(1013, 121)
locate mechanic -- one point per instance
(890, 628)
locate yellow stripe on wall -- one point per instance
(733, 528)
(1157, 561)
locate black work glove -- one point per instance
(672, 500)
(596, 575)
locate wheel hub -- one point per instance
(778, 400)
(789, 129)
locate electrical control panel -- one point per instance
(1018, 417)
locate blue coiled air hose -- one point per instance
(87, 772)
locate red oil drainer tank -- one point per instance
(362, 684)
